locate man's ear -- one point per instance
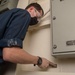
(31, 8)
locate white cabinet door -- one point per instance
(63, 27)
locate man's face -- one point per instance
(34, 12)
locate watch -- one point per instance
(39, 62)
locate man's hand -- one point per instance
(46, 64)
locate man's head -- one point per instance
(35, 10)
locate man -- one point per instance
(13, 26)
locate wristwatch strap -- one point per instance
(39, 62)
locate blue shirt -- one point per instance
(13, 27)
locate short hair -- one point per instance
(37, 6)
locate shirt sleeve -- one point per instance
(16, 30)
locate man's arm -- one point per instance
(18, 55)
